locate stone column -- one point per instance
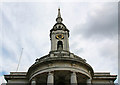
(50, 79)
(73, 79)
(33, 82)
(88, 81)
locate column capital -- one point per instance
(50, 72)
(33, 79)
(74, 72)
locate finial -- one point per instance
(59, 15)
(59, 19)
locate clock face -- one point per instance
(59, 36)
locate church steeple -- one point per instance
(59, 35)
(59, 19)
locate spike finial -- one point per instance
(59, 19)
(59, 15)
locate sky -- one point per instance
(93, 32)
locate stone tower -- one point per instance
(59, 35)
(60, 66)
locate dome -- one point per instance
(60, 63)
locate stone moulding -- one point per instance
(35, 68)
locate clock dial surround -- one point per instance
(59, 36)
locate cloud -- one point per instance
(92, 28)
(101, 22)
(97, 36)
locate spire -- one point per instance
(59, 19)
(59, 15)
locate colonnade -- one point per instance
(50, 79)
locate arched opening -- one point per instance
(59, 45)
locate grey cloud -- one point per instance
(104, 24)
